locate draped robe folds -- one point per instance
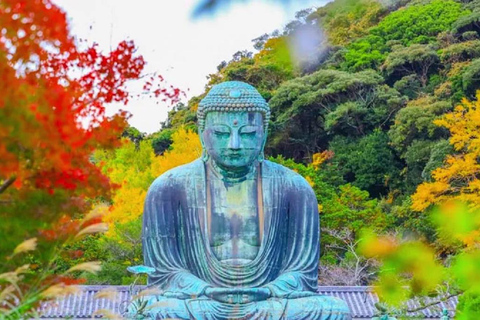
(175, 244)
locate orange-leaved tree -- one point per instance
(53, 96)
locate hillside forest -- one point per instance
(377, 104)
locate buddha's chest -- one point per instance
(234, 223)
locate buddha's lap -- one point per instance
(313, 307)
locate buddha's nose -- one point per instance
(234, 142)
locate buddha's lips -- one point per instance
(233, 155)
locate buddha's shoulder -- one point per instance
(274, 170)
(179, 175)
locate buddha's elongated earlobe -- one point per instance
(205, 155)
(261, 157)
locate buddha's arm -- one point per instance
(288, 285)
(300, 263)
(160, 246)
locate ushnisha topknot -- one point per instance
(233, 96)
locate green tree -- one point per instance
(460, 52)
(367, 163)
(417, 59)
(471, 78)
(409, 86)
(162, 141)
(351, 208)
(133, 134)
(415, 24)
(464, 77)
(415, 122)
(416, 158)
(439, 152)
(307, 109)
(466, 23)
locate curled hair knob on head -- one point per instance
(233, 96)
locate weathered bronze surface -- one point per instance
(231, 235)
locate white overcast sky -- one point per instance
(181, 49)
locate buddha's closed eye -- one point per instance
(221, 133)
(248, 130)
(221, 130)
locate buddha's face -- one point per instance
(233, 139)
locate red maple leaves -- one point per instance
(53, 97)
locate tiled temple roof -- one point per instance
(361, 301)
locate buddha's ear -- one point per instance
(204, 150)
(261, 156)
(200, 135)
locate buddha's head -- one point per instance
(232, 121)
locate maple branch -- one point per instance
(7, 183)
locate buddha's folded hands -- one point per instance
(238, 295)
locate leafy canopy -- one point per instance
(413, 24)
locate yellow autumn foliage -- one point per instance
(128, 205)
(185, 148)
(319, 158)
(134, 169)
(458, 178)
(343, 28)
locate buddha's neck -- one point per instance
(237, 175)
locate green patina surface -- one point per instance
(231, 235)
